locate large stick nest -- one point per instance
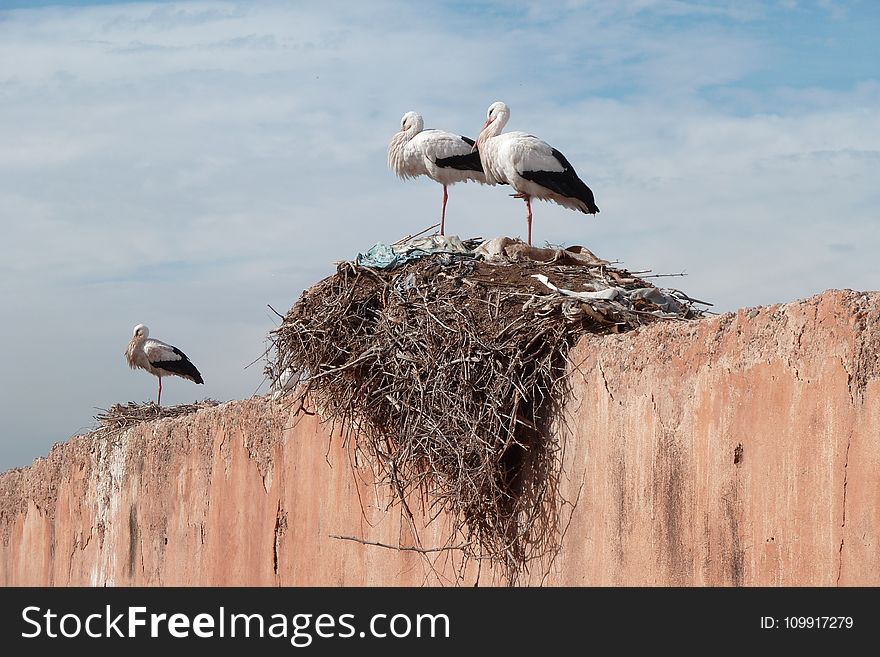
(449, 373)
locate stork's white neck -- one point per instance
(494, 125)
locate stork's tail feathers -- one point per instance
(566, 183)
(590, 202)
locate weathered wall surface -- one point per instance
(739, 450)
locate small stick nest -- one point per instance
(120, 417)
(448, 373)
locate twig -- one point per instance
(407, 548)
(409, 237)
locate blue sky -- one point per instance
(184, 164)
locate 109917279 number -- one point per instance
(817, 622)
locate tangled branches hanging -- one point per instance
(448, 373)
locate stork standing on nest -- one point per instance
(444, 157)
(158, 358)
(531, 166)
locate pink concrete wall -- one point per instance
(739, 450)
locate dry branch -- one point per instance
(402, 548)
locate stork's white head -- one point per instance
(412, 122)
(141, 331)
(496, 111)
(410, 125)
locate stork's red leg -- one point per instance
(529, 218)
(159, 400)
(528, 200)
(443, 211)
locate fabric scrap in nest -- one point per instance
(382, 256)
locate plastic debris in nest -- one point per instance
(668, 303)
(447, 372)
(501, 250)
(665, 303)
(383, 256)
(287, 382)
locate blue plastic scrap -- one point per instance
(382, 256)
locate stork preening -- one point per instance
(158, 358)
(444, 157)
(531, 166)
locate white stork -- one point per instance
(531, 166)
(442, 156)
(158, 358)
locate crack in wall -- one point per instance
(605, 381)
(737, 559)
(843, 520)
(280, 527)
(133, 540)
